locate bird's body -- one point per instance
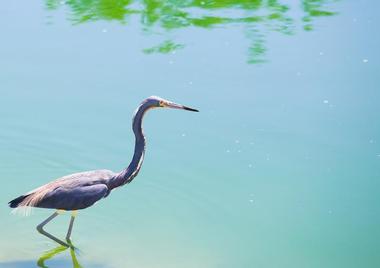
(81, 190)
(71, 192)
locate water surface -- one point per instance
(280, 168)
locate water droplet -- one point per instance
(298, 73)
(321, 53)
(104, 30)
(183, 134)
(202, 3)
(227, 151)
(365, 60)
(250, 165)
(251, 200)
(237, 141)
(326, 101)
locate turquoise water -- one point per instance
(280, 168)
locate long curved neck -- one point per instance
(129, 173)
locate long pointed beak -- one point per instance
(179, 106)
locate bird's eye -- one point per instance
(161, 104)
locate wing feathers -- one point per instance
(74, 191)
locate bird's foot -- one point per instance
(71, 245)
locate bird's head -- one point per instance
(157, 102)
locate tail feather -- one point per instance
(15, 202)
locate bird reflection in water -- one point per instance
(60, 249)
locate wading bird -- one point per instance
(82, 190)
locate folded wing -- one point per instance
(73, 198)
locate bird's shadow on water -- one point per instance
(48, 260)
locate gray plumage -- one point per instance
(82, 190)
(71, 192)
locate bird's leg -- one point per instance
(74, 259)
(49, 254)
(73, 215)
(43, 232)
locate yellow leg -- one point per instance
(49, 254)
(61, 211)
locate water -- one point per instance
(280, 168)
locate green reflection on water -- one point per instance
(55, 251)
(258, 17)
(312, 9)
(49, 256)
(165, 47)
